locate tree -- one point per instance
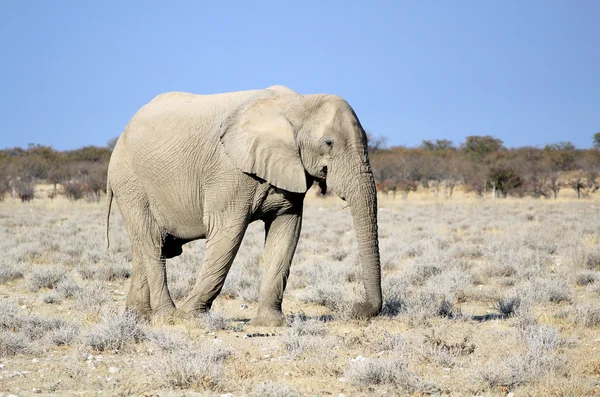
(375, 143)
(478, 147)
(438, 145)
(112, 143)
(503, 178)
(597, 140)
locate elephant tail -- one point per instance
(109, 198)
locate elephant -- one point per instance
(191, 167)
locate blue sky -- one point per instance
(72, 73)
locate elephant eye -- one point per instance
(328, 142)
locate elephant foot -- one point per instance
(268, 318)
(164, 316)
(365, 310)
(144, 312)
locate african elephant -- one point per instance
(204, 166)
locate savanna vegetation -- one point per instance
(480, 298)
(480, 165)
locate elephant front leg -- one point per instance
(222, 244)
(282, 235)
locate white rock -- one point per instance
(227, 395)
(36, 390)
(113, 370)
(35, 360)
(358, 358)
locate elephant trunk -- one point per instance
(362, 200)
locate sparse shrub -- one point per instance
(92, 297)
(540, 338)
(420, 272)
(586, 277)
(392, 343)
(308, 336)
(213, 321)
(426, 305)
(45, 277)
(520, 369)
(383, 371)
(548, 290)
(116, 332)
(592, 260)
(445, 352)
(25, 190)
(181, 278)
(87, 271)
(395, 289)
(244, 281)
(67, 287)
(301, 326)
(18, 330)
(51, 298)
(501, 270)
(274, 389)
(9, 273)
(112, 271)
(193, 367)
(339, 254)
(558, 291)
(167, 340)
(331, 295)
(585, 315)
(64, 335)
(74, 190)
(13, 343)
(508, 306)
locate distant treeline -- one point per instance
(75, 173)
(481, 165)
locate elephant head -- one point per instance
(293, 140)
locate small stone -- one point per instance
(36, 390)
(227, 395)
(358, 358)
(35, 360)
(243, 307)
(113, 370)
(286, 374)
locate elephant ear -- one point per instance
(260, 141)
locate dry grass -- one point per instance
(480, 298)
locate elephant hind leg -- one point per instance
(138, 297)
(148, 292)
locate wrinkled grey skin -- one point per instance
(205, 166)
